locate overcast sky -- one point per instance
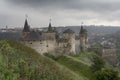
(62, 12)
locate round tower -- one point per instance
(83, 39)
(69, 35)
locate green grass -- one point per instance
(85, 57)
(19, 62)
(85, 61)
(75, 64)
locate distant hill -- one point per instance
(92, 30)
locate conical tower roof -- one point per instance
(50, 27)
(81, 30)
(26, 26)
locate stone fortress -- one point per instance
(51, 41)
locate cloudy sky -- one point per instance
(62, 12)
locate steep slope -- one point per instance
(79, 64)
(76, 66)
(85, 57)
(18, 62)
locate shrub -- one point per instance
(98, 63)
(106, 74)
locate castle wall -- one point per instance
(49, 35)
(62, 48)
(46, 46)
(39, 46)
(50, 41)
(73, 44)
(51, 45)
(77, 46)
(108, 53)
(83, 42)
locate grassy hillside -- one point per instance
(85, 57)
(18, 62)
(76, 66)
(79, 64)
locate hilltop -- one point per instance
(19, 62)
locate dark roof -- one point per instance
(82, 30)
(26, 27)
(34, 35)
(68, 31)
(50, 29)
(11, 36)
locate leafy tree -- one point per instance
(106, 74)
(98, 63)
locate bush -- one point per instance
(98, 63)
(106, 74)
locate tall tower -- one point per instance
(50, 33)
(83, 39)
(26, 29)
(50, 27)
(69, 35)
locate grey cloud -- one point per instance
(92, 5)
(106, 10)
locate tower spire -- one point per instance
(50, 23)
(81, 29)
(26, 26)
(50, 26)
